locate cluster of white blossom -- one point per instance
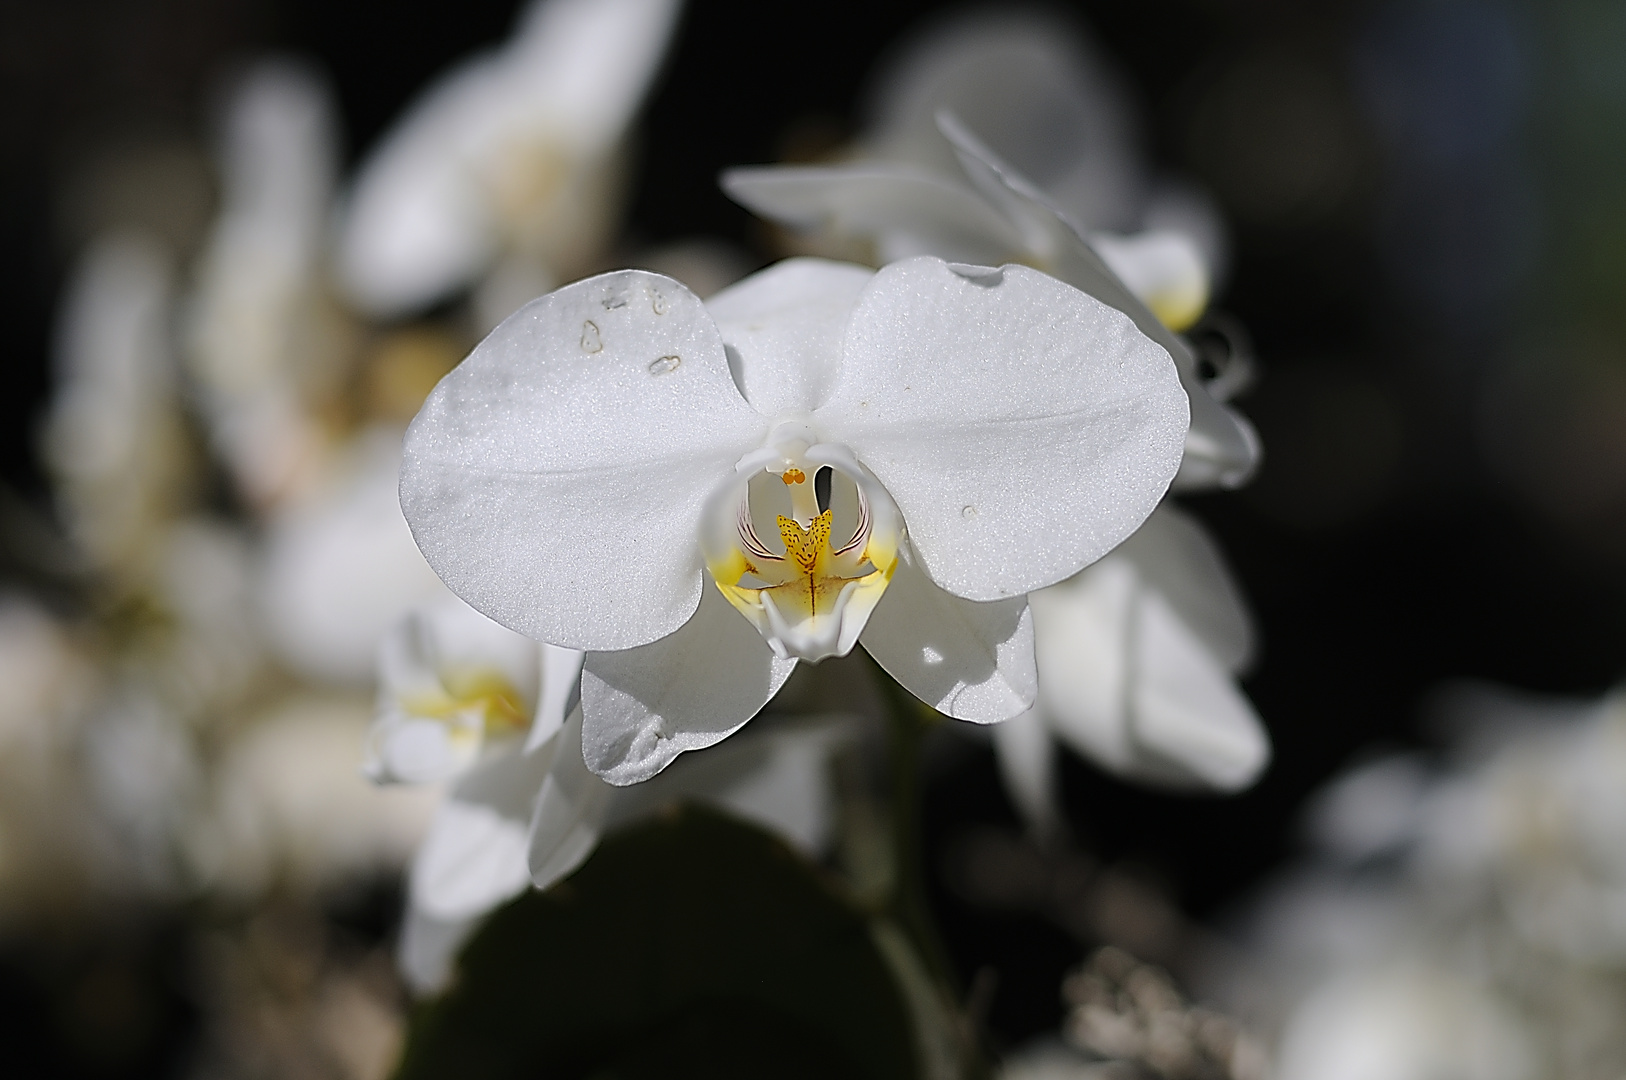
(616, 528)
(1460, 917)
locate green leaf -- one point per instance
(694, 945)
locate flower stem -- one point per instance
(909, 720)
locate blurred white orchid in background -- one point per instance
(452, 684)
(1136, 658)
(113, 438)
(339, 566)
(288, 807)
(504, 169)
(613, 446)
(264, 340)
(1405, 1022)
(465, 699)
(1458, 921)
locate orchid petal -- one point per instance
(782, 330)
(776, 776)
(1229, 448)
(570, 810)
(474, 856)
(1188, 711)
(1128, 684)
(1026, 755)
(603, 406)
(643, 707)
(1081, 645)
(1175, 555)
(905, 207)
(405, 749)
(972, 660)
(561, 693)
(1163, 269)
(1023, 427)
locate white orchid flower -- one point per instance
(452, 683)
(1137, 658)
(507, 153)
(462, 698)
(529, 816)
(923, 446)
(259, 335)
(1001, 215)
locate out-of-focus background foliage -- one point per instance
(1428, 250)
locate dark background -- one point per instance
(1429, 247)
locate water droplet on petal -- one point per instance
(658, 302)
(968, 512)
(592, 341)
(664, 365)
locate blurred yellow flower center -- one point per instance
(481, 699)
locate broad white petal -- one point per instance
(1027, 764)
(782, 330)
(1023, 427)
(556, 478)
(1081, 631)
(972, 660)
(1129, 685)
(1178, 558)
(643, 707)
(1227, 449)
(900, 205)
(1188, 713)
(570, 810)
(474, 856)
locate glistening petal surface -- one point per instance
(1228, 448)
(555, 479)
(967, 659)
(643, 707)
(782, 330)
(1023, 427)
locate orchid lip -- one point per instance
(837, 533)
